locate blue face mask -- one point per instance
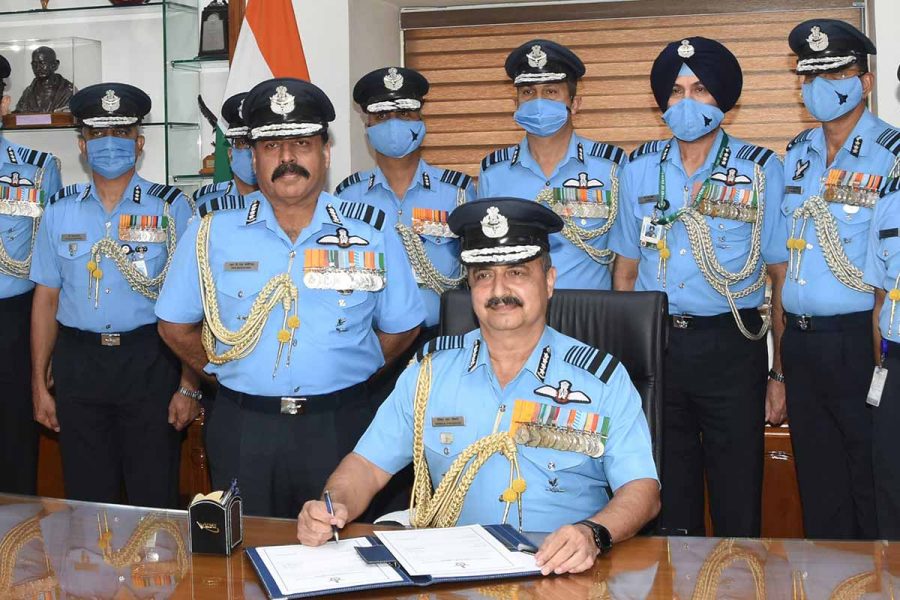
(828, 99)
(542, 117)
(395, 137)
(689, 119)
(111, 156)
(242, 165)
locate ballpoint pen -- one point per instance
(330, 508)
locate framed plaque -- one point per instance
(214, 30)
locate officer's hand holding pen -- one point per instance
(314, 523)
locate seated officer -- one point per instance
(101, 255)
(415, 196)
(700, 221)
(565, 416)
(291, 306)
(228, 194)
(833, 175)
(27, 180)
(553, 165)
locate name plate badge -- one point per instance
(448, 421)
(242, 265)
(73, 237)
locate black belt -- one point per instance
(893, 349)
(290, 405)
(722, 321)
(847, 322)
(141, 334)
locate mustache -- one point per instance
(499, 300)
(289, 168)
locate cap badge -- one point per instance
(393, 80)
(685, 50)
(817, 40)
(281, 102)
(110, 102)
(537, 58)
(494, 225)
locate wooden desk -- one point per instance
(53, 546)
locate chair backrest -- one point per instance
(632, 326)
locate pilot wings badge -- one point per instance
(342, 239)
(564, 394)
(583, 181)
(15, 180)
(281, 102)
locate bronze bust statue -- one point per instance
(49, 91)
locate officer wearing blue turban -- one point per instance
(700, 220)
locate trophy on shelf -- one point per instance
(46, 99)
(214, 30)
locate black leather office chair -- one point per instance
(632, 326)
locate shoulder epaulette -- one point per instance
(347, 182)
(596, 362)
(33, 157)
(608, 151)
(167, 193)
(497, 156)
(363, 212)
(757, 154)
(69, 190)
(893, 185)
(221, 203)
(646, 148)
(444, 342)
(801, 137)
(455, 178)
(212, 187)
(890, 139)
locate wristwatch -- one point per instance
(776, 376)
(193, 395)
(602, 538)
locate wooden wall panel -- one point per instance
(470, 105)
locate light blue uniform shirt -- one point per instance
(217, 196)
(872, 148)
(688, 291)
(437, 191)
(883, 258)
(73, 222)
(336, 345)
(563, 487)
(22, 170)
(514, 172)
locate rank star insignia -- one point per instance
(15, 180)
(800, 169)
(342, 239)
(731, 177)
(537, 58)
(685, 50)
(110, 102)
(494, 225)
(281, 103)
(583, 182)
(393, 80)
(817, 40)
(564, 394)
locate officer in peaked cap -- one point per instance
(710, 251)
(229, 194)
(27, 180)
(102, 252)
(834, 174)
(576, 177)
(299, 304)
(500, 378)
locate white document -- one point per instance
(331, 566)
(450, 552)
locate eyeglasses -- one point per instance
(834, 76)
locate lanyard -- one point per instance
(662, 202)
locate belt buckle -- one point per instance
(681, 321)
(110, 339)
(803, 322)
(292, 406)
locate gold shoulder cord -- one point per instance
(724, 555)
(110, 248)
(579, 236)
(714, 273)
(10, 546)
(22, 268)
(130, 553)
(279, 290)
(422, 265)
(846, 272)
(442, 507)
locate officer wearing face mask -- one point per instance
(229, 194)
(700, 220)
(415, 196)
(120, 397)
(833, 176)
(575, 177)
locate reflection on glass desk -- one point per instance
(67, 550)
